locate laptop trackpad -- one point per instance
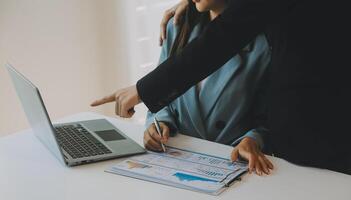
(110, 135)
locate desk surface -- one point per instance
(29, 171)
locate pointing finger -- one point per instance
(104, 100)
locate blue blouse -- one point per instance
(230, 104)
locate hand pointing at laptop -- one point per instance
(128, 97)
(125, 100)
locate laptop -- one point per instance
(73, 143)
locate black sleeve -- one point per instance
(222, 39)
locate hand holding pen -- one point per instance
(158, 128)
(153, 140)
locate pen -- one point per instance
(159, 132)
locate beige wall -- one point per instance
(76, 51)
(71, 49)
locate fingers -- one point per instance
(258, 167)
(257, 161)
(177, 11)
(252, 163)
(150, 142)
(163, 26)
(249, 150)
(165, 132)
(126, 99)
(235, 155)
(124, 109)
(152, 145)
(264, 166)
(104, 100)
(153, 133)
(160, 40)
(260, 164)
(117, 108)
(255, 165)
(131, 112)
(269, 163)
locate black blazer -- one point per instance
(309, 84)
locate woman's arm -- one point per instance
(252, 144)
(223, 38)
(257, 134)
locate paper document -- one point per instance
(182, 169)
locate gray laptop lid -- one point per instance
(35, 111)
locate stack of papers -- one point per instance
(182, 169)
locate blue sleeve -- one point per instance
(258, 134)
(165, 115)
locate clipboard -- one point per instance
(182, 169)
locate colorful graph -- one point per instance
(175, 153)
(188, 177)
(210, 173)
(132, 164)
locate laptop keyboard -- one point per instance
(78, 142)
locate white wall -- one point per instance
(142, 20)
(75, 51)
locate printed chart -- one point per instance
(183, 169)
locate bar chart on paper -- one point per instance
(182, 169)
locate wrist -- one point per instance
(250, 141)
(136, 93)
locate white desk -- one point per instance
(28, 171)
